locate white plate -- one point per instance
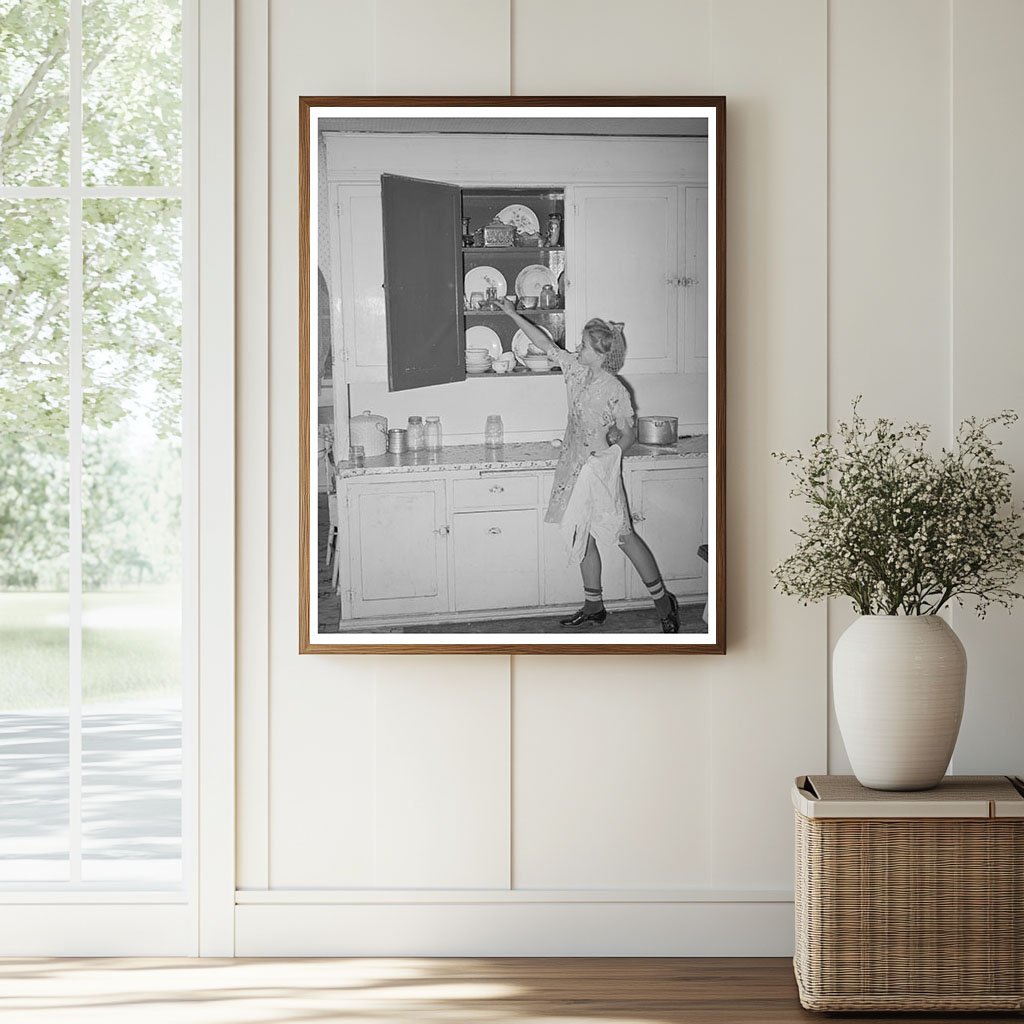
(479, 279)
(532, 279)
(522, 218)
(520, 344)
(480, 336)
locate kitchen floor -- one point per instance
(634, 620)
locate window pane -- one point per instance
(131, 92)
(33, 92)
(33, 540)
(131, 541)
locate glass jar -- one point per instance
(357, 456)
(432, 434)
(494, 432)
(548, 298)
(415, 438)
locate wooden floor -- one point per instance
(414, 991)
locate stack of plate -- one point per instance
(478, 360)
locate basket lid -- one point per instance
(957, 796)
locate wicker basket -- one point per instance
(910, 901)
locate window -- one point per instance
(95, 455)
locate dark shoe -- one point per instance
(581, 618)
(670, 624)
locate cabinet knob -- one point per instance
(497, 489)
(443, 531)
(494, 531)
(637, 518)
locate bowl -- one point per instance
(478, 367)
(528, 301)
(477, 355)
(537, 363)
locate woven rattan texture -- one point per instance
(959, 787)
(916, 914)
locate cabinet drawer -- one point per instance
(497, 491)
(496, 563)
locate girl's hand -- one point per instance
(505, 304)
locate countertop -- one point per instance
(528, 455)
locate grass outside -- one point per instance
(130, 647)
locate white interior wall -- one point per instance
(625, 805)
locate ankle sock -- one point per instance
(593, 600)
(659, 595)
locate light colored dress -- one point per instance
(594, 407)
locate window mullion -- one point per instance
(75, 332)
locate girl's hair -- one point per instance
(607, 339)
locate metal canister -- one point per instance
(396, 441)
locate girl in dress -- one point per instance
(587, 498)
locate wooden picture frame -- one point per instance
(617, 200)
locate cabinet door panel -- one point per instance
(363, 320)
(398, 548)
(695, 295)
(496, 563)
(422, 249)
(627, 260)
(672, 509)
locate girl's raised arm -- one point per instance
(531, 330)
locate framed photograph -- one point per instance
(512, 375)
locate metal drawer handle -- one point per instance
(494, 530)
(443, 531)
(497, 489)
(637, 518)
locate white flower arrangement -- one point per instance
(899, 530)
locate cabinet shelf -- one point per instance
(518, 372)
(512, 250)
(522, 312)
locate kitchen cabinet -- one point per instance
(496, 559)
(402, 265)
(424, 544)
(669, 509)
(396, 541)
(628, 266)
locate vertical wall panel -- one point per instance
(441, 48)
(612, 774)
(576, 47)
(323, 727)
(769, 692)
(889, 248)
(442, 773)
(988, 356)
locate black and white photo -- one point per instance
(512, 391)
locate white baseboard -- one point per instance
(604, 928)
(97, 929)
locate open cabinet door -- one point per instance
(422, 249)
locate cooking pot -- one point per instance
(657, 430)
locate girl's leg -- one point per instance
(593, 610)
(590, 569)
(643, 561)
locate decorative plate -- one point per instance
(532, 279)
(479, 279)
(521, 344)
(522, 218)
(481, 336)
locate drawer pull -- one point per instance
(637, 518)
(497, 489)
(443, 531)
(494, 530)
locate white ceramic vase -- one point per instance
(898, 685)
